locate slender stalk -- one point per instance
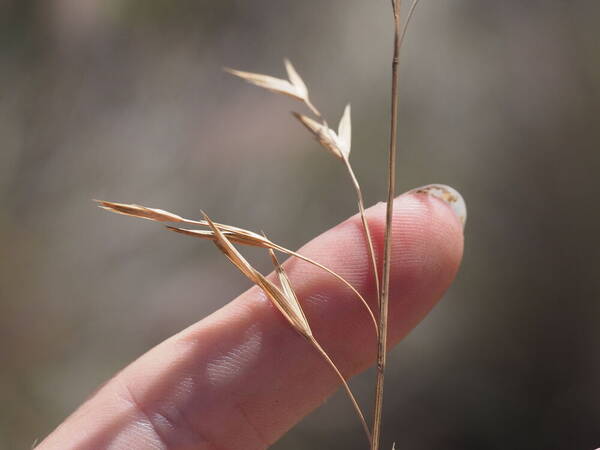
(363, 218)
(359, 412)
(399, 33)
(334, 274)
(361, 209)
(313, 109)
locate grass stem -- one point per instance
(399, 33)
(359, 412)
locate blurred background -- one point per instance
(125, 100)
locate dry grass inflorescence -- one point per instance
(282, 295)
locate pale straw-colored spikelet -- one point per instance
(325, 135)
(289, 292)
(268, 82)
(286, 301)
(157, 215)
(237, 237)
(283, 297)
(339, 143)
(296, 80)
(231, 252)
(294, 86)
(287, 305)
(344, 133)
(234, 234)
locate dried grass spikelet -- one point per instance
(133, 210)
(287, 305)
(285, 300)
(286, 285)
(340, 144)
(288, 291)
(294, 86)
(337, 143)
(344, 133)
(234, 234)
(266, 243)
(160, 215)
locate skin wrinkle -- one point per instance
(111, 422)
(176, 417)
(146, 420)
(287, 379)
(232, 367)
(248, 418)
(181, 433)
(137, 436)
(167, 421)
(194, 376)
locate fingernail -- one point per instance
(449, 195)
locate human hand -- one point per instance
(241, 377)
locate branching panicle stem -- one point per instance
(361, 205)
(334, 274)
(399, 33)
(284, 298)
(313, 109)
(363, 218)
(359, 413)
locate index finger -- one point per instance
(241, 377)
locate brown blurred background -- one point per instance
(125, 100)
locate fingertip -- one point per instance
(428, 246)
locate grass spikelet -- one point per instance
(344, 133)
(159, 215)
(288, 291)
(295, 79)
(231, 252)
(283, 295)
(266, 243)
(288, 306)
(325, 135)
(234, 234)
(133, 210)
(340, 144)
(273, 84)
(238, 238)
(293, 87)
(337, 143)
(286, 301)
